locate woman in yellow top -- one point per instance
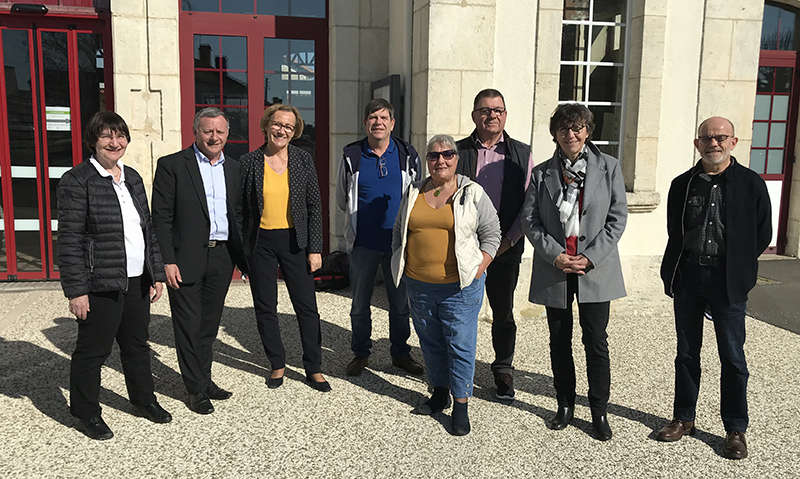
(445, 235)
(282, 226)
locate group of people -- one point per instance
(441, 242)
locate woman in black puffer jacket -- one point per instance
(111, 270)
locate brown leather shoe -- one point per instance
(356, 366)
(407, 364)
(675, 430)
(735, 445)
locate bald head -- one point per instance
(715, 119)
(715, 142)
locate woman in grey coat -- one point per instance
(574, 214)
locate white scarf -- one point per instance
(574, 175)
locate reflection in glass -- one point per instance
(206, 51)
(58, 107)
(200, 5)
(766, 79)
(778, 28)
(774, 162)
(574, 42)
(234, 53)
(762, 107)
(206, 87)
(91, 81)
(571, 83)
(608, 44)
(760, 135)
(609, 11)
(234, 88)
(238, 6)
(576, 10)
(236, 149)
(758, 161)
(777, 135)
(292, 8)
(238, 119)
(606, 83)
(783, 79)
(780, 107)
(19, 99)
(26, 223)
(606, 123)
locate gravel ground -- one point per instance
(363, 428)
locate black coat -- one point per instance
(91, 240)
(181, 218)
(304, 198)
(748, 223)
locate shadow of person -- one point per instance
(42, 376)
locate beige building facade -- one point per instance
(651, 70)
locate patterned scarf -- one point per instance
(574, 176)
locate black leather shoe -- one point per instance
(215, 392)
(562, 418)
(96, 428)
(274, 383)
(407, 364)
(153, 412)
(200, 403)
(601, 427)
(735, 445)
(321, 386)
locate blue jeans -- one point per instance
(364, 264)
(446, 320)
(701, 286)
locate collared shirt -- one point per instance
(131, 221)
(380, 182)
(489, 171)
(704, 222)
(216, 194)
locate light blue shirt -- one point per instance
(216, 194)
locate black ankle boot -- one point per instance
(601, 427)
(439, 401)
(562, 418)
(460, 419)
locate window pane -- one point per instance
(777, 135)
(766, 79)
(780, 107)
(238, 6)
(206, 88)
(19, 97)
(769, 28)
(606, 123)
(236, 150)
(605, 84)
(608, 44)
(609, 11)
(238, 118)
(760, 135)
(307, 8)
(783, 79)
(234, 53)
(576, 10)
(92, 80)
(206, 51)
(273, 7)
(234, 88)
(612, 150)
(774, 162)
(758, 161)
(762, 107)
(200, 5)
(573, 42)
(571, 83)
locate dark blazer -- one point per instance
(304, 199)
(91, 240)
(748, 223)
(602, 221)
(181, 218)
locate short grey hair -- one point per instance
(210, 112)
(444, 140)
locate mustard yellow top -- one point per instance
(277, 214)
(431, 247)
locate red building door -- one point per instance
(54, 80)
(244, 56)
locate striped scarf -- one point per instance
(574, 175)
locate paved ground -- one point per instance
(363, 428)
(776, 298)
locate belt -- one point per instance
(215, 243)
(704, 259)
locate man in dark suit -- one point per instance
(197, 214)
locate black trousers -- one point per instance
(279, 248)
(196, 313)
(124, 315)
(501, 281)
(593, 321)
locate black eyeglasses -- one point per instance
(488, 111)
(720, 139)
(577, 129)
(382, 170)
(447, 155)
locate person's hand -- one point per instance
(79, 306)
(174, 279)
(156, 292)
(572, 264)
(487, 259)
(505, 245)
(314, 261)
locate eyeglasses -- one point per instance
(447, 155)
(109, 136)
(382, 170)
(488, 111)
(280, 126)
(720, 139)
(577, 129)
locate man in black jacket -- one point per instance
(718, 222)
(502, 166)
(197, 215)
